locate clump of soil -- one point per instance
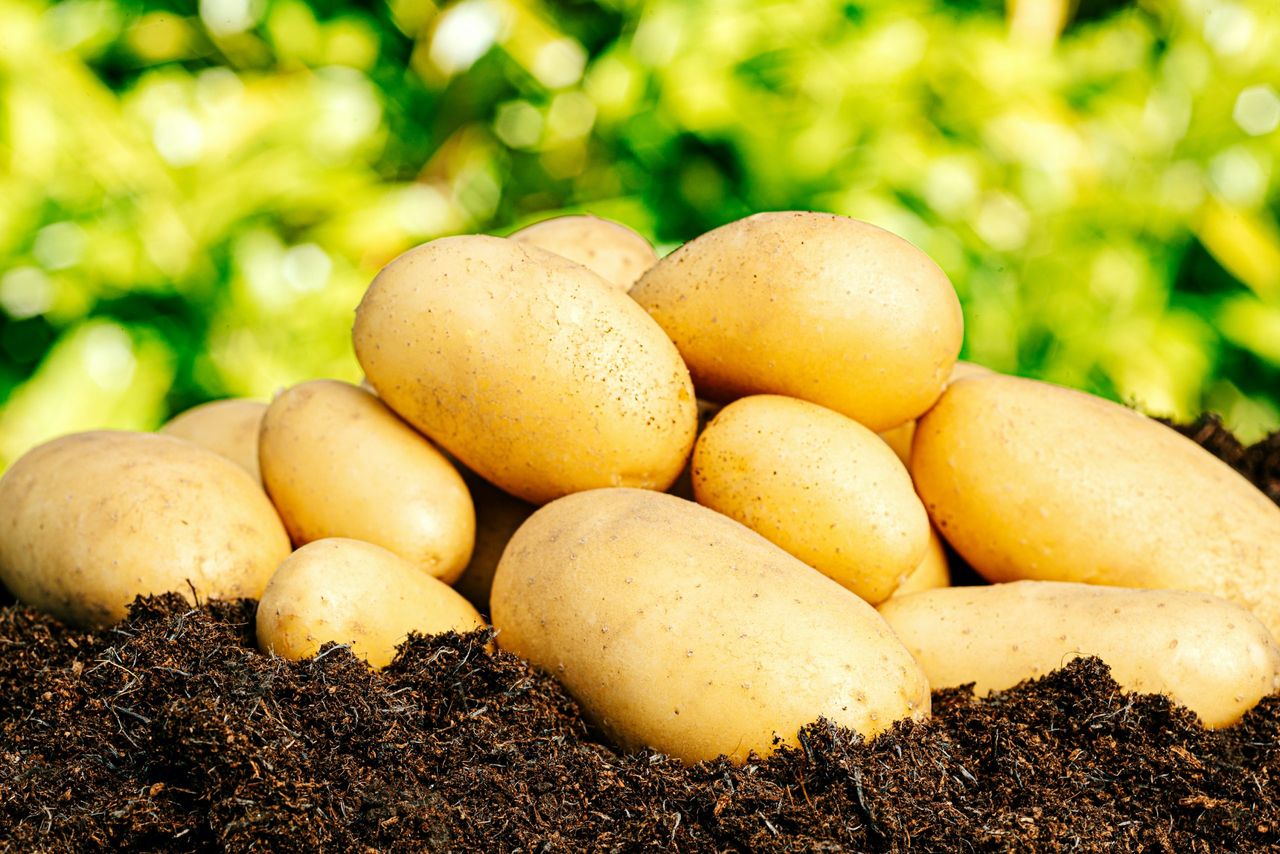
(170, 731)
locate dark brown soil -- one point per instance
(171, 731)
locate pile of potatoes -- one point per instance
(708, 493)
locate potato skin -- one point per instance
(932, 572)
(338, 463)
(819, 485)
(228, 427)
(609, 249)
(349, 591)
(529, 368)
(809, 305)
(91, 520)
(1208, 654)
(1032, 481)
(680, 629)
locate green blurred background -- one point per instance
(194, 196)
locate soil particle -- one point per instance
(171, 732)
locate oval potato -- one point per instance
(228, 427)
(680, 629)
(1205, 653)
(338, 463)
(932, 572)
(91, 520)
(353, 592)
(529, 368)
(819, 485)
(609, 249)
(809, 305)
(1028, 480)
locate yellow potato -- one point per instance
(609, 249)
(338, 463)
(933, 571)
(498, 515)
(899, 438)
(819, 485)
(91, 520)
(1205, 653)
(529, 368)
(228, 427)
(809, 305)
(353, 592)
(677, 628)
(1031, 481)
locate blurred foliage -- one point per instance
(194, 196)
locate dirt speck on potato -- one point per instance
(171, 732)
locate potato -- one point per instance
(932, 571)
(1031, 481)
(530, 369)
(1205, 653)
(91, 520)
(809, 305)
(353, 592)
(228, 427)
(819, 485)
(338, 463)
(677, 628)
(899, 438)
(609, 249)
(498, 516)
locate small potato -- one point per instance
(498, 516)
(91, 520)
(680, 629)
(819, 485)
(1205, 653)
(1028, 480)
(899, 438)
(349, 591)
(933, 571)
(338, 463)
(530, 369)
(228, 427)
(609, 249)
(809, 305)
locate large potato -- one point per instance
(819, 485)
(611, 250)
(91, 520)
(530, 369)
(1204, 652)
(1031, 481)
(228, 427)
(899, 438)
(350, 591)
(809, 305)
(338, 463)
(680, 629)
